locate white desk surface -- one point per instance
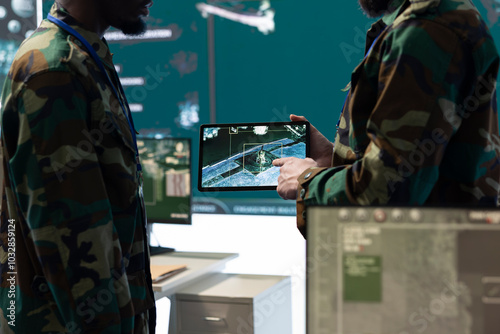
(198, 266)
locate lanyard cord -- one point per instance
(97, 59)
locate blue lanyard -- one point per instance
(366, 55)
(99, 63)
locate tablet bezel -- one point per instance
(239, 188)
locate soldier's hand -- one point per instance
(290, 170)
(321, 147)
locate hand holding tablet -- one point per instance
(290, 170)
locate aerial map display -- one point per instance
(241, 155)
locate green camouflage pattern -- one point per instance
(420, 124)
(71, 191)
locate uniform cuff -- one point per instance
(302, 194)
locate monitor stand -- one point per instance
(156, 250)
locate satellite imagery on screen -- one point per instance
(240, 156)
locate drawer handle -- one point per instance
(212, 319)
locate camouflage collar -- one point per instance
(420, 6)
(407, 7)
(391, 16)
(99, 45)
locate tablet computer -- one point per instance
(239, 156)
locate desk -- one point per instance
(236, 303)
(199, 265)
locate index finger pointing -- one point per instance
(278, 162)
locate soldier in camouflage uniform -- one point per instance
(419, 126)
(73, 249)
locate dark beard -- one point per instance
(133, 28)
(375, 8)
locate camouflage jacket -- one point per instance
(420, 123)
(72, 231)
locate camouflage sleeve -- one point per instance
(61, 193)
(419, 76)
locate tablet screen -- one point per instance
(239, 156)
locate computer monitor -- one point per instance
(166, 164)
(403, 270)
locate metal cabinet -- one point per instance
(235, 304)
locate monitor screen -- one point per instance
(166, 164)
(403, 271)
